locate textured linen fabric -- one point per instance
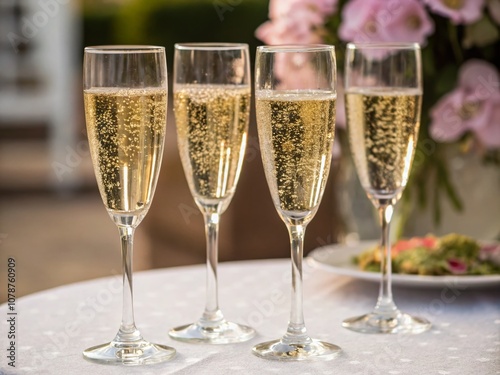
(56, 325)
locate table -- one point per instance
(55, 325)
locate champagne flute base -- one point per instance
(129, 353)
(394, 323)
(221, 333)
(280, 351)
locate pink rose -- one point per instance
(460, 12)
(473, 106)
(385, 21)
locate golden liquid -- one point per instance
(383, 129)
(126, 129)
(296, 132)
(212, 125)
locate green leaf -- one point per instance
(480, 34)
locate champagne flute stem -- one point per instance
(296, 331)
(385, 303)
(128, 330)
(212, 315)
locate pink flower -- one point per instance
(295, 21)
(298, 10)
(410, 23)
(456, 113)
(446, 123)
(359, 21)
(459, 11)
(286, 31)
(325, 7)
(473, 106)
(316, 10)
(385, 21)
(480, 77)
(489, 133)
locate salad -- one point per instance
(453, 254)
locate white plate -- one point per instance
(338, 259)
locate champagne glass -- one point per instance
(211, 106)
(125, 93)
(383, 88)
(295, 88)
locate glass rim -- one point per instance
(382, 45)
(295, 48)
(124, 48)
(210, 46)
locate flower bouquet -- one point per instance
(460, 42)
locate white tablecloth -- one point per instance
(54, 326)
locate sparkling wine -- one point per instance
(383, 129)
(296, 132)
(126, 129)
(212, 125)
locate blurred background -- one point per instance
(52, 220)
